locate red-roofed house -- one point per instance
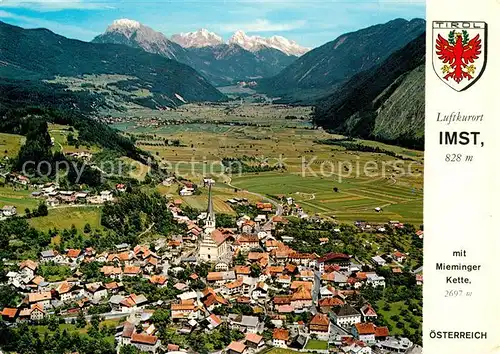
(73, 253)
(280, 338)
(343, 260)
(368, 313)
(399, 257)
(9, 314)
(253, 340)
(236, 348)
(213, 321)
(320, 325)
(381, 333)
(145, 342)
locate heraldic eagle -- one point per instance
(459, 52)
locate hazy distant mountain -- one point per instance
(222, 64)
(198, 39)
(322, 69)
(255, 43)
(385, 103)
(42, 54)
(226, 63)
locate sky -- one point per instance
(310, 23)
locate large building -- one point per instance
(214, 246)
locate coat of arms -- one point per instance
(459, 53)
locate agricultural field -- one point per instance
(220, 194)
(10, 144)
(65, 217)
(18, 197)
(193, 140)
(60, 135)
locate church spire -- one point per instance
(210, 210)
(210, 220)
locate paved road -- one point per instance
(418, 270)
(107, 316)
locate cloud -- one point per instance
(33, 22)
(55, 5)
(261, 25)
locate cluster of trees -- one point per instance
(25, 339)
(54, 272)
(353, 145)
(135, 212)
(138, 285)
(18, 238)
(41, 210)
(236, 165)
(400, 309)
(200, 341)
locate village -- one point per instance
(246, 278)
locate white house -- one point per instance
(145, 342)
(96, 291)
(244, 323)
(280, 338)
(346, 316)
(377, 260)
(364, 332)
(106, 196)
(375, 280)
(9, 210)
(36, 312)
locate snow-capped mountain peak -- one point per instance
(124, 25)
(135, 34)
(254, 43)
(197, 39)
(202, 38)
(286, 45)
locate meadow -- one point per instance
(18, 197)
(280, 136)
(10, 144)
(66, 217)
(325, 180)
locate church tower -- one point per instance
(210, 220)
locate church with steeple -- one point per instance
(213, 245)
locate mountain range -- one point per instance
(41, 54)
(241, 58)
(205, 38)
(385, 103)
(368, 83)
(323, 69)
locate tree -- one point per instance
(161, 318)
(94, 321)
(81, 322)
(42, 210)
(129, 349)
(239, 259)
(87, 228)
(53, 323)
(255, 270)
